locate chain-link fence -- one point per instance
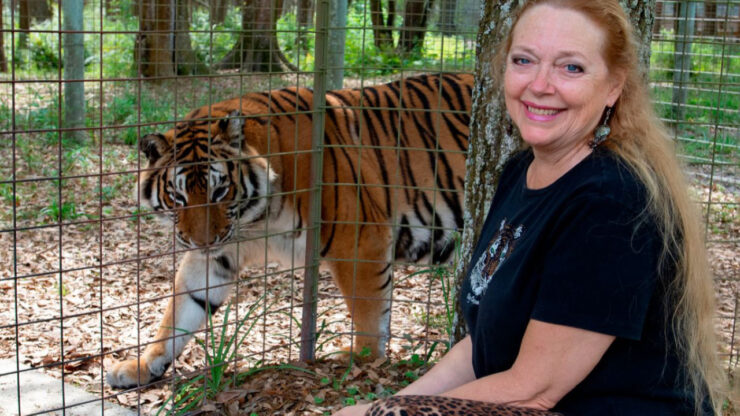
(366, 181)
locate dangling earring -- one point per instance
(602, 131)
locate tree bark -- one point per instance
(24, 24)
(257, 49)
(415, 18)
(382, 26)
(163, 47)
(642, 16)
(710, 18)
(218, 11)
(336, 44)
(305, 14)
(3, 60)
(74, 72)
(493, 137)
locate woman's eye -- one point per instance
(521, 61)
(573, 68)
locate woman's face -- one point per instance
(556, 82)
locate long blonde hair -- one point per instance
(643, 143)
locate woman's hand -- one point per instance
(357, 410)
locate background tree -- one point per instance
(415, 19)
(39, 10)
(24, 24)
(74, 71)
(493, 137)
(710, 18)
(218, 9)
(3, 61)
(382, 24)
(305, 14)
(163, 47)
(257, 49)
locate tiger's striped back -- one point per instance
(238, 171)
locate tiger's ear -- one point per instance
(233, 128)
(154, 146)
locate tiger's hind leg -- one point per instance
(364, 275)
(184, 315)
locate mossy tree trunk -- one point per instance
(493, 137)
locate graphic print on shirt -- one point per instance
(499, 249)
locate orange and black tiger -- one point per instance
(237, 171)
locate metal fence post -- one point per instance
(310, 284)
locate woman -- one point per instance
(589, 290)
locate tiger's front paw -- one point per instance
(129, 373)
(132, 373)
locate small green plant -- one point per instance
(61, 289)
(221, 351)
(67, 211)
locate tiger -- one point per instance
(231, 173)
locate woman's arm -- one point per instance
(552, 360)
(453, 370)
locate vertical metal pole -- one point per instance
(313, 232)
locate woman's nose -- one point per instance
(541, 82)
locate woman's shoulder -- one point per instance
(604, 175)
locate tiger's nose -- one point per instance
(200, 227)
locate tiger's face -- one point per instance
(205, 179)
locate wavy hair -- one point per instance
(643, 143)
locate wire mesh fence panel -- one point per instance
(694, 75)
(164, 192)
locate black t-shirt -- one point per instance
(581, 252)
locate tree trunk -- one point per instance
(710, 18)
(336, 43)
(39, 10)
(642, 16)
(382, 27)
(163, 47)
(447, 10)
(493, 138)
(24, 24)
(257, 49)
(3, 61)
(218, 11)
(305, 14)
(74, 72)
(415, 17)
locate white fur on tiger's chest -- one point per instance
(286, 241)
